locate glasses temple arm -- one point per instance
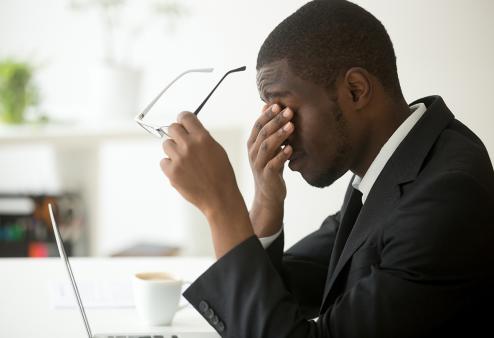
(151, 104)
(219, 82)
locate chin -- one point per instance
(325, 179)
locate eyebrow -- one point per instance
(275, 94)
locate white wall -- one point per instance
(443, 47)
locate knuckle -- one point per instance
(186, 149)
(270, 167)
(280, 133)
(203, 137)
(167, 144)
(252, 155)
(279, 119)
(264, 146)
(269, 113)
(173, 127)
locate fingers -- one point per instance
(177, 132)
(170, 148)
(165, 165)
(267, 114)
(277, 163)
(278, 121)
(190, 122)
(265, 107)
(271, 137)
(271, 145)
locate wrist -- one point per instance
(266, 219)
(223, 205)
(230, 225)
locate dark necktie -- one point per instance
(350, 215)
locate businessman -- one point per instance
(409, 254)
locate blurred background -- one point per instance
(74, 73)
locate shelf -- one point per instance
(76, 157)
(79, 162)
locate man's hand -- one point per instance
(199, 169)
(267, 160)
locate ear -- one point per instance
(358, 85)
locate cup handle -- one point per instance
(186, 304)
(182, 306)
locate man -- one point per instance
(409, 253)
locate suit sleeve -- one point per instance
(436, 251)
(311, 255)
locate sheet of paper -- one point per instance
(94, 294)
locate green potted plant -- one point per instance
(17, 91)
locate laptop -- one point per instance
(154, 334)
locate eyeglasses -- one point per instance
(160, 131)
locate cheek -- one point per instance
(313, 133)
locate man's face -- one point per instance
(320, 140)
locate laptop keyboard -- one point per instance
(139, 336)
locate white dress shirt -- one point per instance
(364, 184)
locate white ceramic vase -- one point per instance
(114, 93)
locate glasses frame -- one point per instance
(160, 131)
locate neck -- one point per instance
(387, 117)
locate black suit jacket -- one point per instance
(419, 261)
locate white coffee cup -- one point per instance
(156, 297)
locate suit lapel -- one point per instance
(381, 199)
(343, 222)
(403, 166)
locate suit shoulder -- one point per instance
(459, 150)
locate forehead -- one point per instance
(276, 78)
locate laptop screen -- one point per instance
(65, 259)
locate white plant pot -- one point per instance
(114, 93)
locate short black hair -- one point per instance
(324, 38)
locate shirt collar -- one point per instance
(364, 184)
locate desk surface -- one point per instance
(26, 308)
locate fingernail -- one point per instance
(275, 108)
(287, 126)
(287, 113)
(287, 149)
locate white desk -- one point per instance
(26, 306)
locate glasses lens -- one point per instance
(154, 131)
(184, 95)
